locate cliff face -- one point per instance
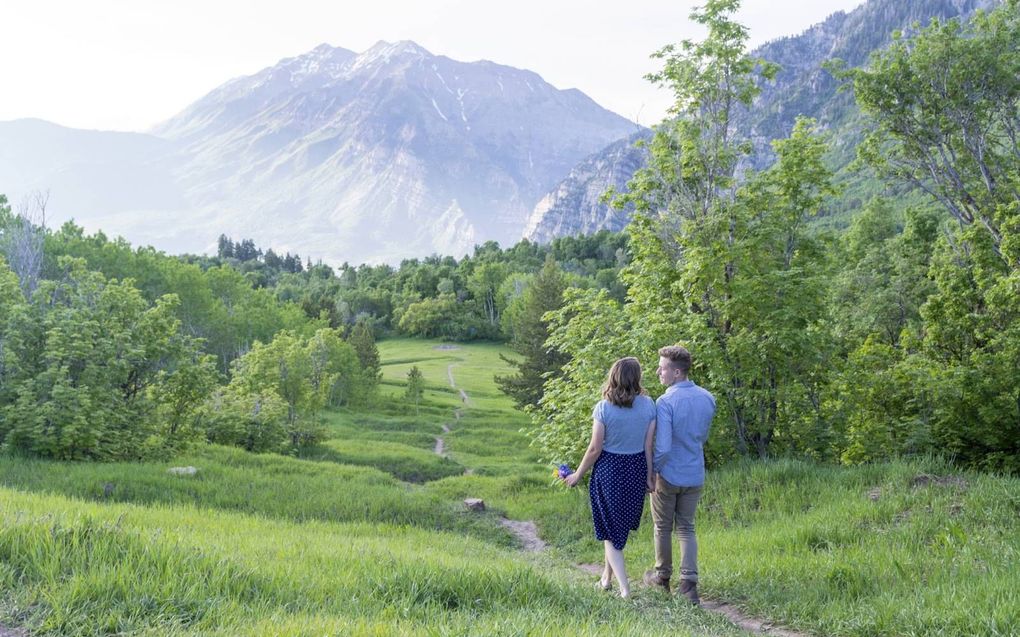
(576, 205)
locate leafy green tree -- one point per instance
(484, 284)
(721, 263)
(336, 373)
(284, 367)
(877, 399)
(944, 107)
(415, 387)
(89, 369)
(256, 422)
(537, 361)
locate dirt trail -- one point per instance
(526, 532)
(729, 611)
(440, 448)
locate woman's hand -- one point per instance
(572, 479)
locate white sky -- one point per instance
(128, 64)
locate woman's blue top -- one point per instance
(625, 426)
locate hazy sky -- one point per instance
(128, 64)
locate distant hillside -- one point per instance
(802, 87)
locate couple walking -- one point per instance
(638, 446)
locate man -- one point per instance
(683, 415)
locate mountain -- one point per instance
(802, 87)
(576, 205)
(390, 153)
(97, 174)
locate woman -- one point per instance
(622, 433)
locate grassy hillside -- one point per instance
(366, 534)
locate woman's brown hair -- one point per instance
(623, 383)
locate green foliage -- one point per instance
(254, 421)
(362, 339)
(537, 361)
(218, 304)
(442, 317)
(415, 386)
(944, 108)
(91, 371)
(723, 265)
(306, 374)
(944, 117)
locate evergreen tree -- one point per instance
(362, 339)
(530, 330)
(225, 247)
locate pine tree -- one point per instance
(363, 341)
(530, 331)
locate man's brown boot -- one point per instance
(689, 590)
(652, 578)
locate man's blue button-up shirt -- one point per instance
(683, 416)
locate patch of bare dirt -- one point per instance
(729, 611)
(746, 622)
(445, 347)
(11, 632)
(526, 532)
(440, 447)
(923, 480)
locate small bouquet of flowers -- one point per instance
(562, 471)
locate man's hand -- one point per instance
(650, 483)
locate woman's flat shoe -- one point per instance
(600, 586)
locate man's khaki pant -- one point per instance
(675, 506)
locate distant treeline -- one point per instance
(474, 297)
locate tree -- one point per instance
(336, 373)
(721, 261)
(944, 108)
(415, 387)
(224, 247)
(89, 369)
(362, 339)
(283, 367)
(530, 330)
(22, 239)
(943, 112)
(484, 285)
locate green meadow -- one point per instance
(366, 534)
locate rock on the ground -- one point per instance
(475, 504)
(182, 471)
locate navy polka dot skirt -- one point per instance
(617, 490)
